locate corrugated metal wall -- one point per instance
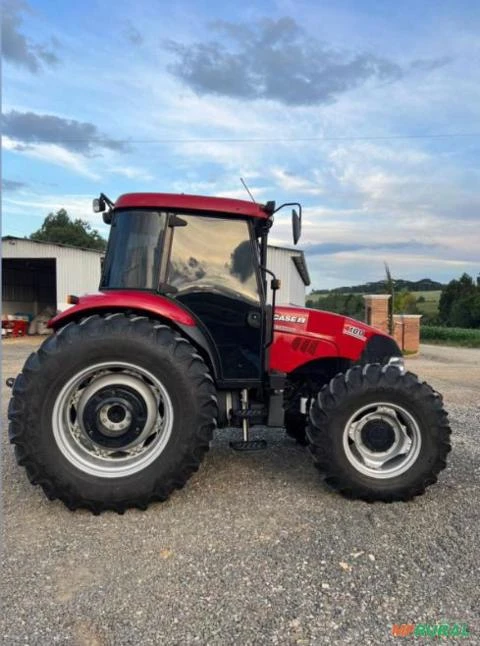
(78, 270)
(292, 290)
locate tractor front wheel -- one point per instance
(378, 433)
(112, 412)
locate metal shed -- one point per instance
(290, 266)
(36, 275)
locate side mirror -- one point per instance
(99, 205)
(296, 226)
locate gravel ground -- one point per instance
(255, 550)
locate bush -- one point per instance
(467, 337)
(431, 320)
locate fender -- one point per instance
(144, 302)
(124, 299)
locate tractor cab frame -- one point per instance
(209, 265)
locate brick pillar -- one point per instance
(376, 311)
(411, 332)
(398, 329)
(407, 331)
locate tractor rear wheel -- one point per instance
(378, 433)
(112, 412)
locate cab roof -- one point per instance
(192, 203)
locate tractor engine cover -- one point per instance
(302, 335)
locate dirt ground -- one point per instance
(454, 371)
(254, 550)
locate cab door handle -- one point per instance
(254, 319)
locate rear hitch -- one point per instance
(10, 381)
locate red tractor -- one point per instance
(118, 406)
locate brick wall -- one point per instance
(407, 331)
(376, 311)
(406, 327)
(398, 329)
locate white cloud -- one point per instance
(39, 206)
(292, 183)
(132, 173)
(52, 154)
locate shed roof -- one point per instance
(298, 258)
(54, 244)
(301, 265)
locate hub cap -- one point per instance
(112, 419)
(382, 440)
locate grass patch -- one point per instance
(468, 338)
(433, 296)
(429, 307)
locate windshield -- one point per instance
(134, 250)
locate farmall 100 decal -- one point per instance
(353, 330)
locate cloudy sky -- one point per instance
(368, 112)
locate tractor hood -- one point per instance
(319, 322)
(302, 335)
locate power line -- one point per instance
(300, 139)
(256, 139)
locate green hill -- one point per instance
(378, 287)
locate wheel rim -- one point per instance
(382, 440)
(112, 419)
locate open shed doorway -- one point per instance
(29, 285)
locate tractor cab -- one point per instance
(207, 254)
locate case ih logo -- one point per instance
(289, 318)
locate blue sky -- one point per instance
(346, 106)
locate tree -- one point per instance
(405, 303)
(348, 304)
(460, 303)
(58, 227)
(390, 285)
